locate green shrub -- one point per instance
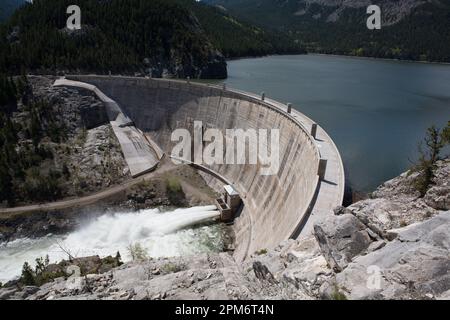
(82, 137)
(261, 252)
(173, 185)
(65, 171)
(337, 294)
(27, 277)
(42, 187)
(40, 275)
(446, 134)
(172, 268)
(174, 191)
(434, 141)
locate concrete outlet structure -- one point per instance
(228, 204)
(275, 207)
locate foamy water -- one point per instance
(161, 234)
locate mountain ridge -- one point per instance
(411, 29)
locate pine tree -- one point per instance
(434, 142)
(6, 185)
(27, 277)
(446, 134)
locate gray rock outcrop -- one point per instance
(393, 246)
(415, 265)
(341, 238)
(396, 203)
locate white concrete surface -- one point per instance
(275, 207)
(138, 152)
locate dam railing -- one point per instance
(319, 197)
(277, 107)
(283, 110)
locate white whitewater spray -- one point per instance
(161, 234)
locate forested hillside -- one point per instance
(7, 7)
(411, 29)
(236, 38)
(156, 37)
(48, 139)
(14, 160)
(159, 38)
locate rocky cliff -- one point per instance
(62, 144)
(394, 245)
(329, 10)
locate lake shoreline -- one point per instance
(341, 56)
(375, 111)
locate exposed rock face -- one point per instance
(341, 238)
(292, 271)
(94, 115)
(214, 68)
(74, 130)
(415, 265)
(330, 11)
(392, 246)
(438, 197)
(359, 252)
(397, 204)
(393, 11)
(203, 277)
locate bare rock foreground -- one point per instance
(394, 245)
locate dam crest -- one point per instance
(310, 180)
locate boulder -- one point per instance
(438, 196)
(413, 266)
(263, 273)
(7, 293)
(341, 238)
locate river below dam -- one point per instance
(376, 111)
(160, 234)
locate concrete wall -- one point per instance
(274, 205)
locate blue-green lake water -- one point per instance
(376, 111)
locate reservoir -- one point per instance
(376, 111)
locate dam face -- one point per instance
(274, 205)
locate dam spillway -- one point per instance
(276, 207)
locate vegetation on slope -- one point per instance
(430, 153)
(19, 174)
(236, 38)
(159, 38)
(7, 7)
(422, 33)
(122, 36)
(46, 152)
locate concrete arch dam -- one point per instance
(310, 179)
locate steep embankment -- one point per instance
(56, 143)
(354, 255)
